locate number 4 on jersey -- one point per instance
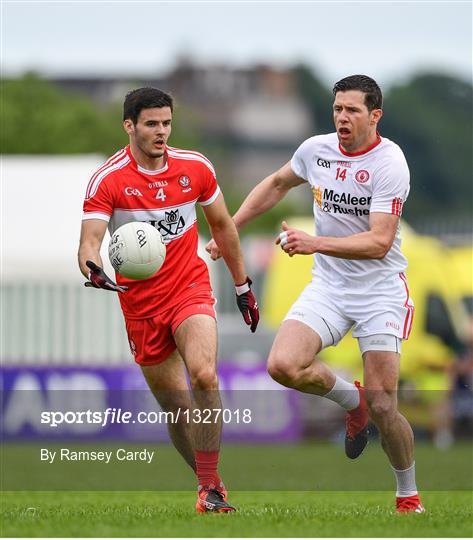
(341, 174)
(160, 195)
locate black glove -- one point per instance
(247, 304)
(99, 279)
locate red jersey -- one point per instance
(121, 191)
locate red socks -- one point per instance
(206, 463)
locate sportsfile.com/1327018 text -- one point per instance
(113, 415)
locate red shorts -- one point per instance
(152, 339)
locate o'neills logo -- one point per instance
(362, 176)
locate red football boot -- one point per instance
(405, 505)
(356, 437)
(213, 499)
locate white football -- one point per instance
(136, 250)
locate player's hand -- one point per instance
(213, 249)
(247, 304)
(99, 279)
(295, 242)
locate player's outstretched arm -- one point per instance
(266, 194)
(226, 237)
(90, 262)
(261, 199)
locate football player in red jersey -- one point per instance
(170, 317)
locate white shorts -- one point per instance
(383, 310)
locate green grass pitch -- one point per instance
(260, 514)
(306, 490)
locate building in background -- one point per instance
(256, 111)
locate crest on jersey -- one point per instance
(362, 176)
(185, 182)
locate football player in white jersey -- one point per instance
(359, 182)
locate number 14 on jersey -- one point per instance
(341, 174)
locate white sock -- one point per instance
(406, 481)
(344, 393)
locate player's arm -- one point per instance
(90, 262)
(266, 194)
(261, 199)
(226, 237)
(91, 238)
(372, 244)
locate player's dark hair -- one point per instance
(144, 98)
(367, 85)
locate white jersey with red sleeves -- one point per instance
(346, 189)
(121, 191)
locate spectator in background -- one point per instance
(455, 414)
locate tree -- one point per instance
(316, 96)
(39, 118)
(430, 118)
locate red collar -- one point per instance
(130, 155)
(354, 154)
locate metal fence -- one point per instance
(69, 324)
(56, 324)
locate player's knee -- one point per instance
(204, 378)
(281, 370)
(381, 407)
